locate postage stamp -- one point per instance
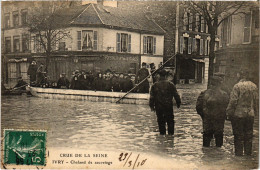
(24, 147)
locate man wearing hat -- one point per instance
(211, 106)
(63, 82)
(241, 110)
(32, 70)
(140, 76)
(75, 83)
(161, 101)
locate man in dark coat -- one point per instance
(127, 85)
(21, 84)
(242, 108)
(211, 106)
(115, 83)
(75, 83)
(83, 80)
(161, 101)
(63, 82)
(98, 83)
(153, 69)
(32, 70)
(140, 76)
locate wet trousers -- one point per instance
(165, 115)
(213, 127)
(243, 135)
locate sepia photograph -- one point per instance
(130, 84)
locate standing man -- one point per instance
(32, 69)
(141, 75)
(241, 110)
(40, 75)
(161, 101)
(211, 106)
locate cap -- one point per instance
(143, 64)
(163, 72)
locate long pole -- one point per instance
(145, 78)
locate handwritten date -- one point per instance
(131, 161)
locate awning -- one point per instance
(199, 60)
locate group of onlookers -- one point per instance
(86, 80)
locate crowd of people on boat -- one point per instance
(106, 81)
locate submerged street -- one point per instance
(110, 126)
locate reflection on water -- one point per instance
(108, 126)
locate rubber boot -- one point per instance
(239, 145)
(248, 145)
(206, 139)
(219, 140)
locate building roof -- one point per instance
(111, 17)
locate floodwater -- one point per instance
(94, 125)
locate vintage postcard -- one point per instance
(129, 84)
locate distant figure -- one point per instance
(121, 81)
(75, 83)
(83, 81)
(211, 106)
(127, 85)
(98, 83)
(153, 69)
(241, 110)
(90, 80)
(21, 84)
(32, 70)
(115, 83)
(161, 101)
(141, 75)
(63, 82)
(40, 75)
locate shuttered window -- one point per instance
(145, 45)
(202, 24)
(79, 40)
(118, 46)
(190, 21)
(129, 43)
(154, 45)
(189, 45)
(193, 44)
(201, 46)
(247, 28)
(95, 46)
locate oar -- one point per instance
(145, 79)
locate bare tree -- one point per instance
(48, 23)
(214, 13)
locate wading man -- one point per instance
(241, 110)
(161, 101)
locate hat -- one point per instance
(216, 80)
(143, 64)
(163, 72)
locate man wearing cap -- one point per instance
(161, 101)
(241, 110)
(140, 76)
(211, 106)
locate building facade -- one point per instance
(239, 46)
(100, 38)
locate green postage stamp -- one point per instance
(24, 147)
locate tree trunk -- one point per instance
(211, 54)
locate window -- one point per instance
(62, 46)
(15, 19)
(7, 21)
(206, 48)
(189, 45)
(38, 44)
(202, 24)
(201, 46)
(79, 40)
(8, 44)
(226, 32)
(149, 45)
(89, 40)
(185, 21)
(247, 28)
(24, 15)
(190, 20)
(194, 45)
(25, 43)
(123, 42)
(197, 22)
(16, 45)
(197, 47)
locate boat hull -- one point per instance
(88, 95)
